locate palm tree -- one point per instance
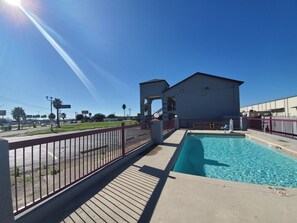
(124, 107)
(63, 116)
(52, 116)
(18, 113)
(57, 103)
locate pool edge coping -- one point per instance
(275, 146)
(251, 136)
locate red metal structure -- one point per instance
(168, 126)
(209, 124)
(43, 167)
(277, 126)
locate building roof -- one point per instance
(209, 75)
(154, 81)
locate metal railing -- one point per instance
(208, 124)
(43, 167)
(168, 126)
(277, 126)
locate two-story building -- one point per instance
(198, 97)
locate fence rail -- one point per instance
(40, 168)
(283, 127)
(208, 124)
(168, 126)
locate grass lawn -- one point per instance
(80, 126)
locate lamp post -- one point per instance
(51, 100)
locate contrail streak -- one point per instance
(64, 55)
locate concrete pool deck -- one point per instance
(187, 198)
(146, 190)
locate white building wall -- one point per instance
(268, 106)
(288, 104)
(292, 106)
(280, 103)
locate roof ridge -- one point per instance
(200, 73)
(154, 80)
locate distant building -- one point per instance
(284, 107)
(198, 97)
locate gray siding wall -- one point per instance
(152, 89)
(203, 97)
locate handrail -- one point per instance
(283, 127)
(43, 167)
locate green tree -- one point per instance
(57, 103)
(63, 116)
(52, 116)
(111, 116)
(2, 121)
(98, 117)
(79, 117)
(124, 108)
(138, 117)
(86, 119)
(18, 113)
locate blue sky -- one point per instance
(119, 43)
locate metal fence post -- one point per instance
(270, 125)
(123, 138)
(6, 209)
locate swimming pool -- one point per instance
(236, 158)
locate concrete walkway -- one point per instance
(187, 198)
(146, 190)
(129, 197)
(287, 145)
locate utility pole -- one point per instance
(51, 100)
(130, 112)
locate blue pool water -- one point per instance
(237, 159)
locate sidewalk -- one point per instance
(130, 195)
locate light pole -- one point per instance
(51, 100)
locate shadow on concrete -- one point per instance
(95, 199)
(170, 144)
(120, 197)
(128, 193)
(162, 175)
